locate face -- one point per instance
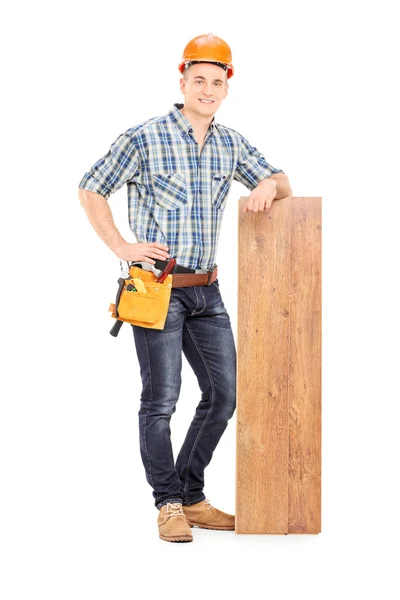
(204, 82)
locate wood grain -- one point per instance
(305, 367)
(278, 377)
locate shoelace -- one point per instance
(205, 502)
(174, 509)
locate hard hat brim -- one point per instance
(181, 65)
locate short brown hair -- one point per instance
(193, 62)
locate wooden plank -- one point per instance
(262, 376)
(278, 413)
(305, 367)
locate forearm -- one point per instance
(99, 214)
(283, 187)
(278, 184)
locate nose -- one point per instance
(208, 89)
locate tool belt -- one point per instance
(142, 300)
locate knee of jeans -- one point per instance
(229, 406)
(226, 383)
(224, 399)
(162, 403)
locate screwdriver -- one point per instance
(167, 270)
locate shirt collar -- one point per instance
(182, 122)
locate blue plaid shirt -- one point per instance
(176, 195)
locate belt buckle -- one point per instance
(205, 272)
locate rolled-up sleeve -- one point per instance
(252, 167)
(112, 170)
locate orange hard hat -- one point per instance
(207, 48)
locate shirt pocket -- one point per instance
(170, 189)
(219, 189)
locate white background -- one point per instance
(314, 91)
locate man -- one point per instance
(178, 169)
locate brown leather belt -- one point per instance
(189, 279)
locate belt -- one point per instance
(185, 277)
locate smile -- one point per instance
(206, 101)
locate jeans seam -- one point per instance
(202, 295)
(195, 312)
(197, 300)
(208, 413)
(145, 416)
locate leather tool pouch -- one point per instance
(143, 308)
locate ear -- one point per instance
(226, 89)
(182, 84)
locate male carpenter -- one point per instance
(178, 169)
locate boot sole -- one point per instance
(220, 528)
(176, 538)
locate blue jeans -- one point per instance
(197, 324)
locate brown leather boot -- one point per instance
(172, 524)
(204, 515)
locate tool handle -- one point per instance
(116, 327)
(167, 270)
